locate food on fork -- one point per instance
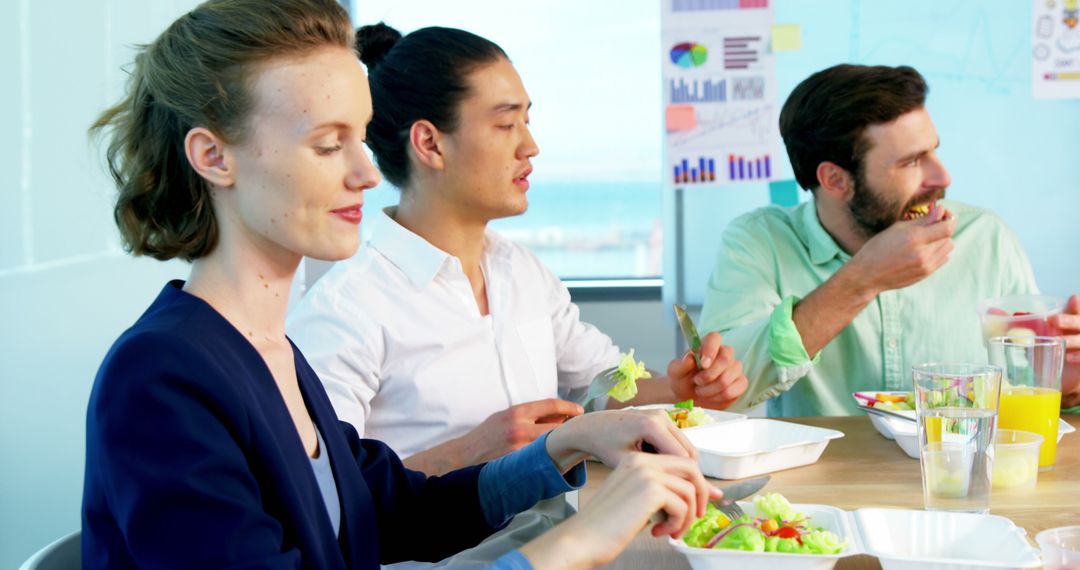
(628, 373)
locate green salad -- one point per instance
(777, 527)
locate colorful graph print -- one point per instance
(689, 55)
(700, 5)
(708, 91)
(741, 52)
(723, 127)
(688, 172)
(743, 168)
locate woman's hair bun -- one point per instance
(372, 43)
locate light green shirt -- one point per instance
(772, 257)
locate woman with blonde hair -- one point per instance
(210, 441)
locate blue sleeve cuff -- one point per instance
(517, 481)
(513, 560)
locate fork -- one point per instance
(731, 509)
(601, 384)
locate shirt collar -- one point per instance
(822, 246)
(412, 254)
(415, 256)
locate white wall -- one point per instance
(66, 289)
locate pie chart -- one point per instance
(688, 54)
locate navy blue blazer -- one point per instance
(192, 461)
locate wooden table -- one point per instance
(863, 469)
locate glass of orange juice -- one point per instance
(1031, 387)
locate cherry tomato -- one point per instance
(786, 532)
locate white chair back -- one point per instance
(62, 554)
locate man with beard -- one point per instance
(846, 291)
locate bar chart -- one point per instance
(688, 171)
(749, 168)
(708, 91)
(700, 5)
(742, 52)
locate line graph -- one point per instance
(963, 41)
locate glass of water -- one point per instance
(957, 406)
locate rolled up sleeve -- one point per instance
(515, 482)
(744, 304)
(786, 346)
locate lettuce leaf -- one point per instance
(785, 545)
(822, 542)
(775, 506)
(629, 371)
(706, 527)
(746, 538)
(698, 417)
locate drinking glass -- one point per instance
(956, 405)
(1031, 387)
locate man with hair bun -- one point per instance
(440, 337)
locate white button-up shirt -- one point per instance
(397, 338)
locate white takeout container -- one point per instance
(752, 446)
(881, 423)
(906, 433)
(717, 415)
(901, 539)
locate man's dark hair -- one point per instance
(423, 75)
(826, 116)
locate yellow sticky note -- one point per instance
(786, 37)
(680, 118)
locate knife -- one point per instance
(689, 332)
(732, 493)
(740, 490)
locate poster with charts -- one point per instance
(1055, 49)
(719, 91)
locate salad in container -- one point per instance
(774, 527)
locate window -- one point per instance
(592, 71)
